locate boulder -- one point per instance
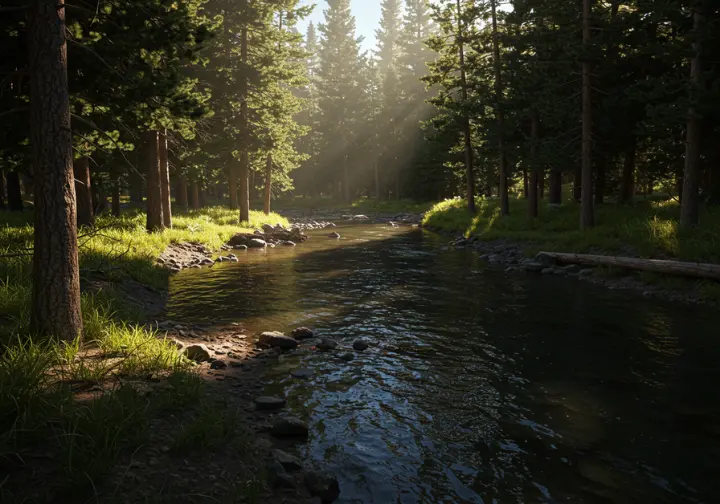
(240, 247)
(289, 427)
(276, 339)
(267, 228)
(546, 260)
(360, 345)
(197, 353)
(257, 243)
(268, 403)
(277, 476)
(323, 485)
(302, 333)
(289, 462)
(218, 364)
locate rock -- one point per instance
(573, 269)
(289, 427)
(302, 333)
(361, 217)
(277, 476)
(347, 357)
(323, 485)
(326, 345)
(240, 247)
(197, 353)
(178, 344)
(334, 235)
(288, 243)
(360, 345)
(546, 260)
(220, 259)
(559, 272)
(218, 364)
(301, 373)
(257, 243)
(277, 340)
(268, 403)
(267, 228)
(532, 266)
(586, 272)
(287, 461)
(547, 271)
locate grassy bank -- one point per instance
(41, 381)
(649, 228)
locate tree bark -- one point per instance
(268, 185)
(541, 183)
(56, 274)
(690, 207)
(195, 194)
(244, 188)
(587, 210)
(154, 196)
(244, 128)
(627, 181)
(469, 172)
(534, 165)
(83, 193)
(165, 193)
(2, 190)
(181, 190)
(116, 200)
(14, 194)
(555, 192)
(503, 188)
(202, 194)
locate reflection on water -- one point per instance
(501, 388)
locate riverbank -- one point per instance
(648, 230)
(135, 413)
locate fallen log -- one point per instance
(697, 270)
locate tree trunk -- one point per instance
(555, 192)
(244, 128)
(2, 190)
(83, 193)
(600, 168)
(195, 195)
(232, 186)
(503, 188)
(627, 181)
(116, 200)
(56, 273)
(202, 195)
(534, 164)
(154, 196)
(14, 194)
(181, 190)
(165, 193)
(587, 211)
(541, 183)
(469, 172)
(690, 207)
(268, 185)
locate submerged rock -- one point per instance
(289, 427)
(289, 462)
(301, 373)
(360, 345)
(257, 243)
(277, 340)
(347, 357)
(532, 266)
(267, 403)
(327, 344)
(546, 260)
(197, 353)
(334, 235)
(323, 485)
(302, 333)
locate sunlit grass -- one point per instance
(650, 228)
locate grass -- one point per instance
(40, 380)
(649, 228)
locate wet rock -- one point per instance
(240, 247)
(323, 485)
(289, 427)
(360, 345)
(547, 271)
(197, 353)
(267, 228)
(277, 476)
(546, 260)
(559, 272)
(334, 235)
(573, 269)
(218, 364)
(533, 267)
(257, 243)
(347, 357)
(220, 259)
(302, 333)
(277, 339)
(287, 461)
(586, 272)
(269, 403)
(288, 243)
(327, 344)
(301, 373)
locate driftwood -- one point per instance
(697, 270)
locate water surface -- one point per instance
(497, 387)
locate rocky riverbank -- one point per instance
(230, 360)
(512, 257)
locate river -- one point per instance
(480, 386)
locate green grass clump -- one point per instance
(649, 227)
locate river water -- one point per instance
(480, 386)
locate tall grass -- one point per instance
(649, 228)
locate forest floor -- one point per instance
(126, 416)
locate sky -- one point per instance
(367, 18)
